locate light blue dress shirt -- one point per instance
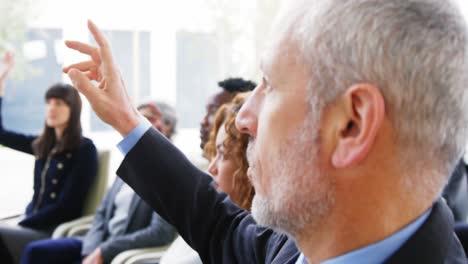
(380, 251)
(372, 254)
(134, 136)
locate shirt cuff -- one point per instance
(131, 139)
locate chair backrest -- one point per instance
(99, 186)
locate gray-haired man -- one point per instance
(360, 119)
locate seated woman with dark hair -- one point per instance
(226, 150)
(65, 167)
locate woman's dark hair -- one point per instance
(71, 137)
(237, 85)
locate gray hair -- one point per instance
(169, 115)
(414, 51)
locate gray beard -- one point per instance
(301, 195)
(294, 213)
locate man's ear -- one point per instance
(364, 110)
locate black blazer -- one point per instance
(143, 227)
(456, 192)
(66, 181)
(223, 233)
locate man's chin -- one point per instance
(264, 214)
(267, 213)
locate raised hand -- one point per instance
(109, 99)
(6, 65)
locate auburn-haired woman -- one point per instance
(65, 167)
(226, 150)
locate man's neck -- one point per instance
(358, 224)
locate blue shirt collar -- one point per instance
(380, 251)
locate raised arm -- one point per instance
(6, 65)
(216, 228)
(8, 138)
(209, 221)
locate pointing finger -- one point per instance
(102, 42)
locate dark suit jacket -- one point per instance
(143, 227)
(456, 192)
(67, 180)
(223, 233)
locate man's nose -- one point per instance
(212, 169)
(247, 118)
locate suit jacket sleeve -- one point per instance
(157, 233)
(15, 140)
(70, 201)
(217, 229)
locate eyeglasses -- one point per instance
(167, 122)
(152, 118)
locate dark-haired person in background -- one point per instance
(230, 88)
(65, 167)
